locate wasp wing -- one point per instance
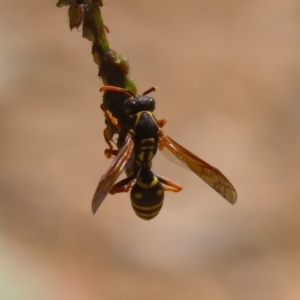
(205, 171)
(115, 169)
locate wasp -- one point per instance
(142, 141)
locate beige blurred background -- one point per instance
(228, 83)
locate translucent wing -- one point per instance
(110, 177)
(206, 172)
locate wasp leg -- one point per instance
(107, 139)
(161, 133)
(169, 184)
(161, 123)
(124, 185)
(109, 152)
(110, 117)
(117, 89)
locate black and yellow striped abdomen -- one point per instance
(147, 195)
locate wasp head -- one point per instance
(140, 103)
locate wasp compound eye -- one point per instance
(130, 106)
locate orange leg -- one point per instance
(161, 123)
(117, 89)
(107, 140)
(160, 133)
(123, 185)
(122, 189)
(110, 117)
(169, 184)
(111, 151)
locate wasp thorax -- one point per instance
(140, 103)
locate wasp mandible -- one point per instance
(143, 139)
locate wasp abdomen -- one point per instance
(147, 195)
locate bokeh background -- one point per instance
(228, 83)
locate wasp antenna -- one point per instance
(117, 89)
(152, 89)
(130, 93)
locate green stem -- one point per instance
(113, 68)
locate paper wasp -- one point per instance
(143, 139)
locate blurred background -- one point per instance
(228, 84)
